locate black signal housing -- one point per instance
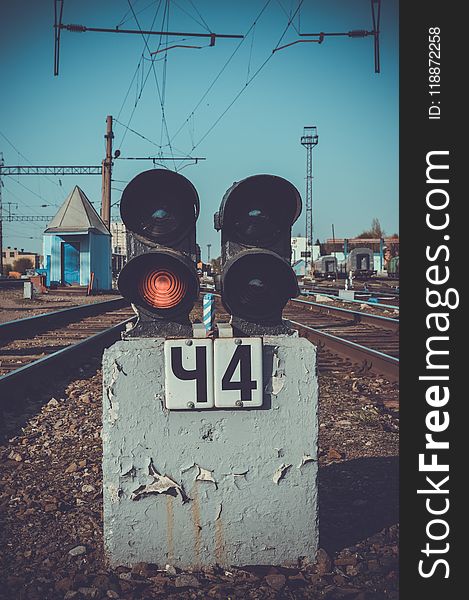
(159, 209)
(255, 218)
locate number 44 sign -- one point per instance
(221, 373)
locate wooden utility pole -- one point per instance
(107, 171)
(1, 218)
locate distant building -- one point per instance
(298, 245)
(339, 244)
(119, 247)
(77, 245)
(10, 255)
(119, 238)
(299, 267)
(298, 249)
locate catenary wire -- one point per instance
(219, 118)
(219, 74)
(157, 85)
(139, 65)
(26, 159)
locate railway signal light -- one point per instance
(255, 218)
(159, 209)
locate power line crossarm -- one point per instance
(83, 28)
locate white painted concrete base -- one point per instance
(194, 488)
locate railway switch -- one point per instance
(159, 209)
(255, 218)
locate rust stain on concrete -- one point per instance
(170, 527)
(219, 539)
(195, 508)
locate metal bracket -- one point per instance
(198, 330)
(225, 330)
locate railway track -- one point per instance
(12, 284)
(384, 286)
(347, 340)
(383, 296)
(33, 347)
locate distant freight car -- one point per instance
(393, 268)
(325, 266)
(360, 262)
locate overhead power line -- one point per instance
(59, 27)
(320, 36)
(219, 74)
(250, 80)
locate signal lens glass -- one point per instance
(161, 288)
(256, 225)
(162, 282)
(257, 286)
(160, 221)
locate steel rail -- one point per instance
(358, 291)
(28, 375)
(369, 360)
(388, 323)
(43, 365)
(20, 327)
(367, 302)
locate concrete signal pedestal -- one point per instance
(197, 487)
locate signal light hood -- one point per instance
(255, 210)
(160, 205)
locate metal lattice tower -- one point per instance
(309, 139)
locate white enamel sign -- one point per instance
(203, 374)
(189, 374)
(238, 372)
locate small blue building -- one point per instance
(77, 244)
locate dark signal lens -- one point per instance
(157, 221)
(256, 225)
(257, 285)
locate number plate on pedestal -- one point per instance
(238, 372)
(189, 374)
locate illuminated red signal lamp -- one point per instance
(162, 282)
(162, 289)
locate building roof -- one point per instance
(299, 267)
(76, 214)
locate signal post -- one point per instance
(210, 445)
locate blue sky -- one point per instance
(61, 120)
